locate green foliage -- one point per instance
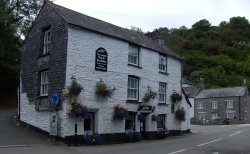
(219, 54)
(16, 17)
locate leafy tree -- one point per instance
(203, 25)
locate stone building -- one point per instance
(223, 103)
(63, 44)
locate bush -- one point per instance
(226, 121)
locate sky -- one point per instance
(151, 14)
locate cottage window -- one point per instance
(133, 88)
(46, 41)
(230, 104)
(133, 55)
(162, 92)
(163, 64)
(161, 123)
(200, 105)
(214, 104)
(130, 122)
(214, 116)
(202, 115)
(44, 83)
(230, 115)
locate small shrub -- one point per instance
(180, 114)
(149, 95)
(103, 90)
(175, 97)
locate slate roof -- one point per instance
(191, 92)
(93, 24)
(186, 81)
(222, 92)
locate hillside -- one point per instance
(219, 54)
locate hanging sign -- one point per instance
(101, 60)
(146, 108)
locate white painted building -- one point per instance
(135, 64)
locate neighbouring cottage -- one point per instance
(86, 76)
(216, 105)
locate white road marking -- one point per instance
(238, 132)
(209, 142)
(177, 151)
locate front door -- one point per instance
(143, 127)
(89, 124)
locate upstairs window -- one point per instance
(46, 41)
(230, 104)
(133, 88)
(133, 55)
(44, 83)
(200, 105)
(162, 92)
(214, 104)
(163, 64)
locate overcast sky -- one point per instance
(151, 14)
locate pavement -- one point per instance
(14, 135)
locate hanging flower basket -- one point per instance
(154, 117)
(73, 90)
(149, 95)
(103, 90)
(78, 110)
(175, 97)
(120, 112)
(180, 114)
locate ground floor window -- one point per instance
(130, 122)
(230, 115)
(161, 121)
(202, 115)
(214, 116)
(89, 124)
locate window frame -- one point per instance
(132, 55)
(46, 40)
(163, 120)
(200, 105)
(229, 104)
(162, 93)
(216, 117)
(214, 104)
(44, 83)
(230, 113)
(202, 115)
(163, 64)
(136, 89)
(131, 116)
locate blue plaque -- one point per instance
(54, 99)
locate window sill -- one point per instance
(164, 73)
(135, 66)
(132, 101)
(163, 104)
(41, 56)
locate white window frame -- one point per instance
(200, 105)
(133, 88)
(214, 116)
(230, 104)
(230, 115)
(133, 55)
(214, 104)
(201, 115)
(46, 41)
(162, 92)
(44, 83)
(162, 63)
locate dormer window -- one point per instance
(133, 55)
(163, 64)
(46, 41)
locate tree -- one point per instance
(203, 25)
(238, 22)
(16, 17)
(137, 30)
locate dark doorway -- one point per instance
(143, 127)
